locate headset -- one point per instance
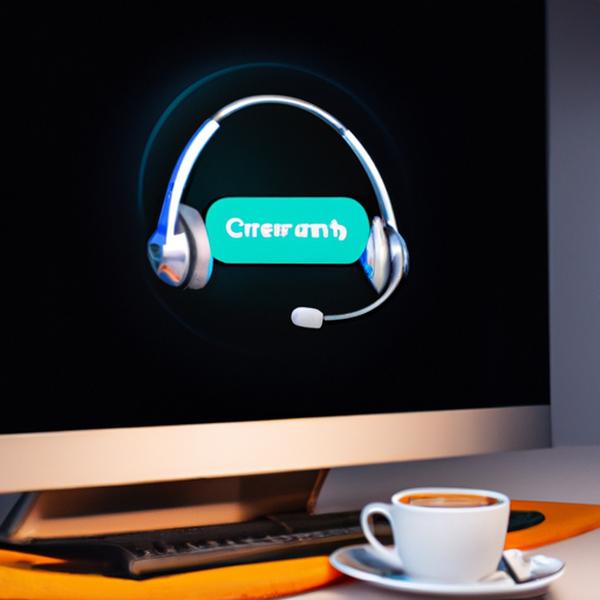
(179, 249)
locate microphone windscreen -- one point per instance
(307, 317)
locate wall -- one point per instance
(574, 213)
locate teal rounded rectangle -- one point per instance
(287, 230)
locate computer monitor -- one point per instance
(117, 378)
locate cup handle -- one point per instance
(389, 556)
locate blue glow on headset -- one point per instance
(181, 173)
(365, 265)
(211, 263)
(157, 240)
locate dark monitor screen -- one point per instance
(449, 100)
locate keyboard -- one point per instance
(274, 537)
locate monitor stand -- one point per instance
(58, 514)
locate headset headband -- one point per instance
(193, 149)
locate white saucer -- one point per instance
(360, 562)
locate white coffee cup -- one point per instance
(450, 544)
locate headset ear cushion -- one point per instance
(375, 259)
(201, 261)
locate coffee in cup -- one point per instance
(448, 500)
(442, 534)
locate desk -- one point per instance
(568, 474)
(557, 474)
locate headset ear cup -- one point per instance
(201, 261)
(375, 259)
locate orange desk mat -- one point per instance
(31, 577)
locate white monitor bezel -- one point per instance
(99, 457)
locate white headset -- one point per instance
(179, 249)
